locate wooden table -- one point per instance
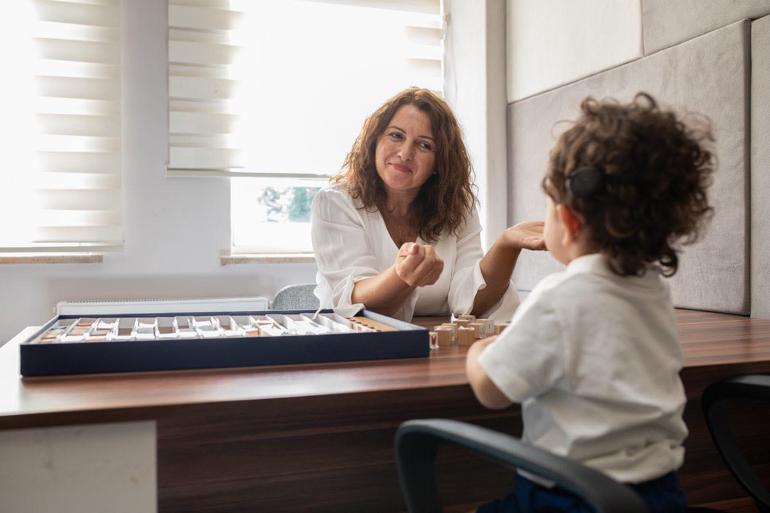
(320, 437)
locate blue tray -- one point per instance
(407, 341)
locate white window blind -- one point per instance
(281, 87)
(60, 183)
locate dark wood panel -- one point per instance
(264, 452)
(314, 456)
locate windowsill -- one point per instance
(51, 258)
(266, 258)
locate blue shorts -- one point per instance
(661, 495)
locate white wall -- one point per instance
(475, 88)
(176, 228)
(79, 469)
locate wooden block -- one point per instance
(500, 327)
(375, 325)
(465, 335)
(467, 317)
(433, 340)
(479, 329)
(444, 335)
(487, 327)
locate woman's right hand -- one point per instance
(418, 265)
(526, 235)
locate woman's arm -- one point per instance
(498, 264)
(416, 265)
(485, 390)
(384, 293)
(347, 263)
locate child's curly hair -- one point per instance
(637, 176)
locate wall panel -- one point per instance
(705, 75)
(760, 168)
(666, 22)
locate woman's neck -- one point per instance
(399, 203)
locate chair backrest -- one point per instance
(417, 442)
(714, 401)
(295, 297)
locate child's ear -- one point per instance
(570, 222)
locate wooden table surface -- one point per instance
(319, 437)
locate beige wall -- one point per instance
(553, 42)
(713, 64)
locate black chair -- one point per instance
(417, 442)
(715, 402)
(295, 297)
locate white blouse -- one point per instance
(352, 244)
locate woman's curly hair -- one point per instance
(653, 173)
(446, 199)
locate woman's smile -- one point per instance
(401, 167)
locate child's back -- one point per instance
(592, 353)
(595, 362)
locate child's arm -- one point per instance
(486, 392)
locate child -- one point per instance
(592, 353)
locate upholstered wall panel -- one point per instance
(760, 168)
(556, 42)
(668, 22)
(707, 75)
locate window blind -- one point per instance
(280, 88)
(61, 176)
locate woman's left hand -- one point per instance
(526, 235)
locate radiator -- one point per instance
(149, 306)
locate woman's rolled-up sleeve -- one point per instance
(467, 279)
(341, 247)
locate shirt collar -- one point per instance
(593, 263)
(596, 263)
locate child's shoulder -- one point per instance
(555, 292)
(589, 280)
(556, 285)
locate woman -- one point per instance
(398, 232)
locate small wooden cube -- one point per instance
(444, 335)
(479, 329)
(465, 335)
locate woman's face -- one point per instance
(405, 156)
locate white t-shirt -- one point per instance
(594, 358)
(352, 243)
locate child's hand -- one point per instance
(526, 235)
(418, 265)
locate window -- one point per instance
(273, 93)
(60, 183)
